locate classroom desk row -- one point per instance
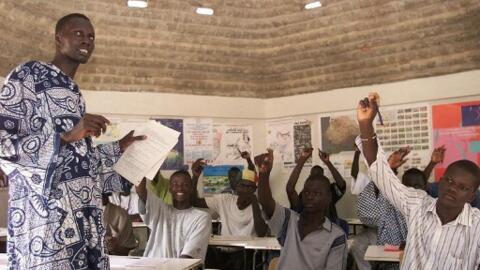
(132, 263)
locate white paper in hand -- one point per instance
(142, 157)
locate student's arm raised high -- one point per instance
(292, 194)
(197, 169)
(264, 163)
(402, 197)
(325, 157)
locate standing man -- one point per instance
(57, 177)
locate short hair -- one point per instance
(183, 173)
(320, 178)
(468, 166)
(415, 173)
(233, 170)
(65, 19)
(319, 168)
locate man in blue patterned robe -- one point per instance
(56, 175)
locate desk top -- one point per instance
(377, 253)
(130, 263)
(247, 242)
(139, 224)
(353, 221)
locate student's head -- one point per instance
(75, 38)
(316, 170)
(316, 194)
(181, 188)
(459, 184)
(415, 178)
(234, 175)
(246, 186)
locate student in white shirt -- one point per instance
(178, 231)
(239, 213)
(443, 233)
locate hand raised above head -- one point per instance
(438, 154)
(264, 161)
(324, 156)
(367, 108)
(306, 153)
(198, 166)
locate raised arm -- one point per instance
(292, 194)
(197, 169)
(246, 155)
(261, 227)
(264, 163)
(325, 157)
(402, 197)
(438, 155)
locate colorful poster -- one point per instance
(288, 138)
(405, 125)
(174, 160)
(457, 126)
(215, 179)
(197, 139)
(229, 140)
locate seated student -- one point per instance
(338, 188)
(374, 209)
(444, 233)
(311, 240)
(119, 235)
(178, 231)
(239, 213)
(432, 188)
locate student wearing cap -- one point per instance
(239, 213)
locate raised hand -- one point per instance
(198, 166)
(438, 154)
(129, 139)
(244, 154)
(324, 156)
(397, 158)
(367, 108)
(264, 161)
(89, 125)
(306, 153)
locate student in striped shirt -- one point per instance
(443, 233)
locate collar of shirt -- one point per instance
(463, 218)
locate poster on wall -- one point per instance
(174, 160)
(197, 139)
(288, 138)
(457, 126)
(405, 125)
(229, 140)
(215, 179)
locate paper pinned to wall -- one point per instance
(197, 139)
(228, 140)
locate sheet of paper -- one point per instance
(142, 157)
(153, 171)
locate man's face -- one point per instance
(181, 188)
(245, 188)
(315, 195)
(456, 188)
(76, 40)
(233, 178)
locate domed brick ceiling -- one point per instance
(251, 48)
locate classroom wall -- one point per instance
(443, 89)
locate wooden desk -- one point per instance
(132, 263)
(378, 254)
